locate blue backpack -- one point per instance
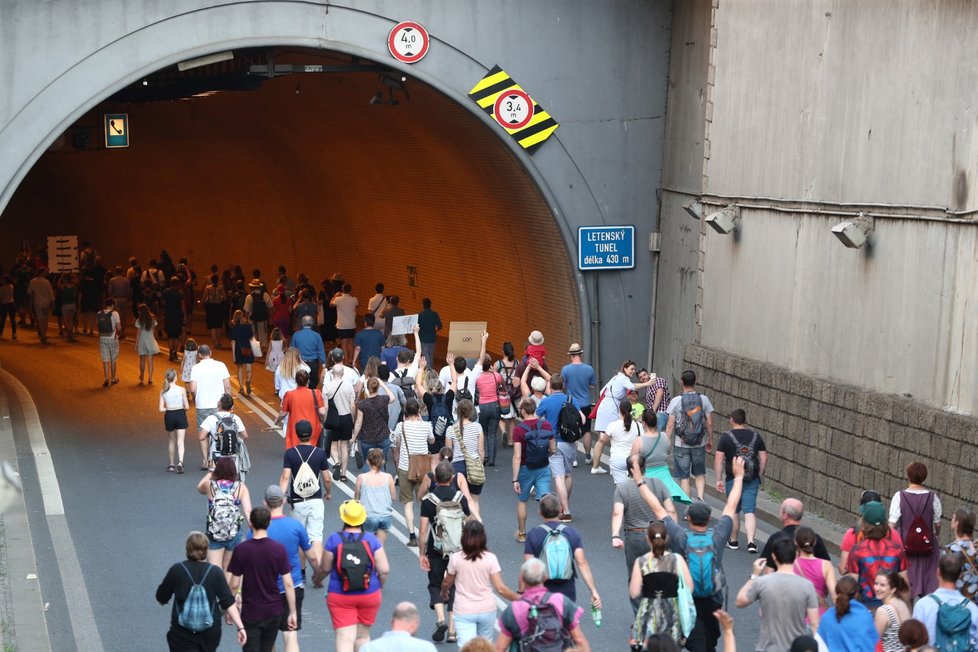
(701, 556)
(197, 613)
(537, 447)
(440, 416)
(953, 625)
(556, 554)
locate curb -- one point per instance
(25, 615)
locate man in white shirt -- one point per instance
(346, 318)
(377, 303)
(405, 622)
(40, 295)
(209, 379)
(464, 378)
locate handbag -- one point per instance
(418, 465)
(594, 410)
(332, 420)
(687, 608)
(255, 347)
(502, 394)
(475, 473)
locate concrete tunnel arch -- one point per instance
(503, 214)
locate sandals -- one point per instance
(451, 638)
(170, 468)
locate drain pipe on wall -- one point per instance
(655, 244)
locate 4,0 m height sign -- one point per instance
(605, 247)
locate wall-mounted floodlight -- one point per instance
(726, 220)
(854, 234)
(205, 60)
(695, 209)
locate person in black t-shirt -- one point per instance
(741, 441)
(309, 511)
(177, 584)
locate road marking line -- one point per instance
(83, 627)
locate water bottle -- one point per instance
(596, 615)
(533, 612)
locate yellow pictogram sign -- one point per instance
(514, 110)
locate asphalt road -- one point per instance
(128, 518)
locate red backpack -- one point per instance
(919, 541)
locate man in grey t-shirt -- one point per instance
(631, 515)
(690, 459)
(785, 600)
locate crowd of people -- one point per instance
(421, 437)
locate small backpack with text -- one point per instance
(305, 483)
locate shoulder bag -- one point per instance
(418, 464)
(332, 420)
(475, 473)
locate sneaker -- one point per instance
(336, 473)
(587, 459)
(565, 518)
(575, 464)
(521, 537)
(752, 547)
(598, 470)
(733, 545)
(412, 541)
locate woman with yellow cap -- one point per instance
(359, 569)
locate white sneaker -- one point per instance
(598, 471)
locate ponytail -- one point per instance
(625, 409)
(658, 538)
(845, 590)
(169, 376)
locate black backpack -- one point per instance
(259, 309)
(464, 394)
(406, 384)
(227, 436)
(354, 564)
(748, 453)
(104, 321)
(691, 424)
(569, 422)
(537, 447)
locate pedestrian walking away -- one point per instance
(209, 379)
(228, 509)
(516, 622)
(375, 490)
(691, 421)
(294, 538)
(741, 441)
(533, 444)
(915, 512)
(660, 578)
(405, 622)
(359, 570)
(305, 480)
(174, 406)
(654, 447)
(257, 568)
(200, 593)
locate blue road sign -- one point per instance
(605, 247)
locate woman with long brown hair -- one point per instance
(146, 346)
(848, 626)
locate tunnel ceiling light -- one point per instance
(695, 209)
(855, 233)
(205, 61)
(726, 220)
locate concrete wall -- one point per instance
(682, 180)
(603, 166)
(829, 441)
(819, 110)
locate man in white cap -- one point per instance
(579, 378)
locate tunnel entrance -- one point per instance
(365, 172)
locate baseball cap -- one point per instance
(274, 496)
(699, 513)
(303, 427)
(337, 355)
(873, 513)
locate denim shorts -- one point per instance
(374, 523)
(690, 461)
(226, 545)
(539, 478)
(748, 497)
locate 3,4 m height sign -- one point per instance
(605, 247)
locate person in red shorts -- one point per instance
(359, 570)
(876, 552)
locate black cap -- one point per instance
(303, 427)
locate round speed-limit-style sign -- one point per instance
(513, 109)
(408, 42)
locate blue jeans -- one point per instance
(489, 420)
(663, 419)
(384, 445)
(428, 351)
(468, 626)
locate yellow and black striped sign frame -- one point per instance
(530, 136)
